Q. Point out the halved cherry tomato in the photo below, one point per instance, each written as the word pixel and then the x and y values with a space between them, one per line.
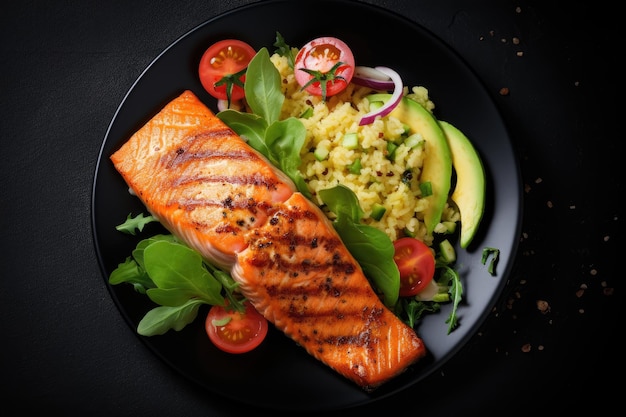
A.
pixel 222 67
pixel 416 264
pixel 322 55
pixel 235 332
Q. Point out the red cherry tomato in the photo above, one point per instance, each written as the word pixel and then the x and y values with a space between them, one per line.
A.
pixel 221 63
pixel 235 332
pixel 322 54
pixel 416 264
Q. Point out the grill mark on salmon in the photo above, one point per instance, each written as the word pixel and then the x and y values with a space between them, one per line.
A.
pixel 200 179
pixel 300 276
pixel 224 199
pixel 255 180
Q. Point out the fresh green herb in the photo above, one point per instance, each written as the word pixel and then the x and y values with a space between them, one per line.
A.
pixel 135 223
pixel 163 318
pixel 176 278
pixel 284 140
pixel 247 125
pixel 279 140
pixel 371 247
pixel 451 277
pixel 179 275
pixel 449 288
pixel 495 254
pixel 285 50
pixel 263 87
pixel 130 272
pixel 412 310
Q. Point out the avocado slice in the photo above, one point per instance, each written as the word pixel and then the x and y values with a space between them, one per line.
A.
pixel 469 191
pixel 437 167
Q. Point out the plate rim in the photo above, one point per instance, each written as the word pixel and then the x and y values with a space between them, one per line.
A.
pixel 473 327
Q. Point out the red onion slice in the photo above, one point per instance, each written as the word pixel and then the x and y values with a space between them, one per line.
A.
pixel 393 101
pixel 372 78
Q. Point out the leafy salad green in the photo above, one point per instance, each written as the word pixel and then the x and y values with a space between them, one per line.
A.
pixel 179 281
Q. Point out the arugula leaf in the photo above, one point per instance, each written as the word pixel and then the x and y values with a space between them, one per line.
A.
pixel 414 310
pixel 371 247
pixel 229 284
pixel 456 292
pixel 176 278
pixel 495 253
pixel 133 223
pixel 130 272
pixel 161 319
pixel 283 49
pixel 143 244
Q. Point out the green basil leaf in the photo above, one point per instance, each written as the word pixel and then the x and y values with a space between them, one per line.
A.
pixel 249 126
pixel 284 140
pixel 374 251
pixel 343 202
pixel 371 247
pixel 175 266
pixel 263 88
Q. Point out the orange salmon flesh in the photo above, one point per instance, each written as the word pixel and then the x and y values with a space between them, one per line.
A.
pixel 209 188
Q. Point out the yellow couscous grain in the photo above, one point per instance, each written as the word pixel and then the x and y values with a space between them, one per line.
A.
pixel 392 182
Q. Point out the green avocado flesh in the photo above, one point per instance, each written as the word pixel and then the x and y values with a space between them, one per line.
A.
pixel 469 191
pixel 437 169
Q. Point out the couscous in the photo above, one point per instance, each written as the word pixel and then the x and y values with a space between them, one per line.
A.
pixel 381 181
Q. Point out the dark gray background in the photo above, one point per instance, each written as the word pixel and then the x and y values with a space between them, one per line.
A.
pixel 66 350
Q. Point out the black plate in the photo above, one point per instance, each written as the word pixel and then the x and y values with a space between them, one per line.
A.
pixel 280 374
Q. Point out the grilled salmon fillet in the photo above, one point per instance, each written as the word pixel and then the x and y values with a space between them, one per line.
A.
pixel 200 179
pixel 225 200
pixel 298 273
